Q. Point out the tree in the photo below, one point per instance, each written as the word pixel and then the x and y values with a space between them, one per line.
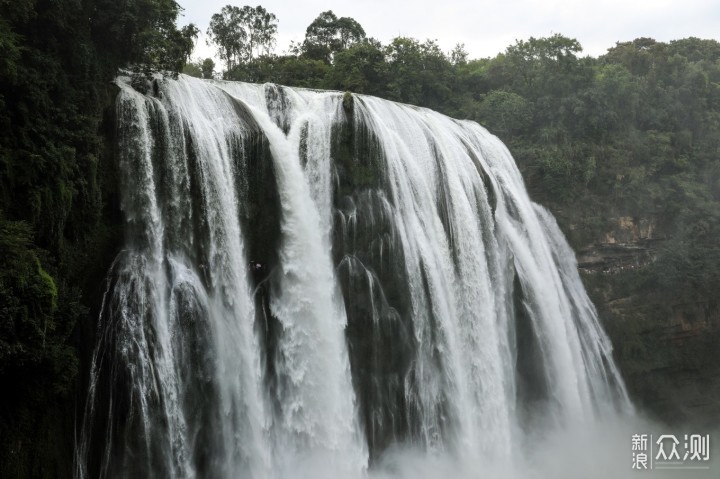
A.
pixel 419 73
pixel 192 69
pixel 167 49
pixel 241 34
pixel 200 68
pixel 58 200
pixel 285 70
pixel 141 34
pixel 349 32
pixel 530 58
pixel 263 31
pixel 360 68
pixel 505 112
pixel 638 56
pixel 328 35
pixel 208 68
pixel 227 33
pixel 458 55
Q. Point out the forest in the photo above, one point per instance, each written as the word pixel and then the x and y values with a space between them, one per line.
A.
pixel 633 133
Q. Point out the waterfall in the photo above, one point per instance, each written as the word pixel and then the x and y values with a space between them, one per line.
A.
pixel 311 280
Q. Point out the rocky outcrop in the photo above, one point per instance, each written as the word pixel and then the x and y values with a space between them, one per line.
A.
pixel 665 344
pixel 629 245
pixel 667 352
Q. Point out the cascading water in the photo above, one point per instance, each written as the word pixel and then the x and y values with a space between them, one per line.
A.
pixel 311 279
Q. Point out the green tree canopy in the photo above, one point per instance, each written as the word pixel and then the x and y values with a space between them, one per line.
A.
pixel 328 35
pixel 142 33
pixel 200 68
pixel 58 199
pixel 419 73
pixel 241 34
pixel 360 68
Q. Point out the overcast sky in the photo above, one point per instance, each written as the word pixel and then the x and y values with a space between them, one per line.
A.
pixel 486 27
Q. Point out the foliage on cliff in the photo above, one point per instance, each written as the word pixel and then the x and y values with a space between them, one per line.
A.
pixel 57 60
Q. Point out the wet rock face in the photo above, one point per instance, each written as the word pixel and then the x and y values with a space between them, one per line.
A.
pixel 631 230
pixel 665 344
pixel 629 245
pixel 668 355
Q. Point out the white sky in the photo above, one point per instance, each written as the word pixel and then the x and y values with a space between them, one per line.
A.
pixel 486 27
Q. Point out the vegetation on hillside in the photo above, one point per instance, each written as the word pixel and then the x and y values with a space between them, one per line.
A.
pixel 58 211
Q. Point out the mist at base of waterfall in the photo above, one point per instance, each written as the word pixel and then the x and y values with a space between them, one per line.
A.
pixel 594 450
